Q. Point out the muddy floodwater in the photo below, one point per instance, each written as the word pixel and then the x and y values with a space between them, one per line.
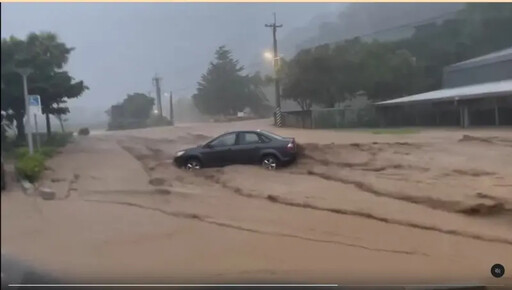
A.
pixel 427 207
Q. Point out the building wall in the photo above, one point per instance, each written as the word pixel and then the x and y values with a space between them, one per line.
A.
pixel 492 72
pixel 473 112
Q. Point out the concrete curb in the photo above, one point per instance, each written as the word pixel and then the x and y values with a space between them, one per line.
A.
pixel 30 189
pixel 27 187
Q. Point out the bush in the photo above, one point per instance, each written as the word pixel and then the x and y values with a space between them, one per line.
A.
pixel 20 153
pixel 48 152
pixel 83 131
pixel 30 167
pixel 59 139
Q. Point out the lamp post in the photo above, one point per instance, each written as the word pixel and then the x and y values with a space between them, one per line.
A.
pixel 24 72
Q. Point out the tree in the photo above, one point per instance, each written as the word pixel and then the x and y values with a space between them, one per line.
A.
pixel 46 56
pixel 224 90
pixel 138 106
pixel 12 87
pixel 134 112
pixel 328 74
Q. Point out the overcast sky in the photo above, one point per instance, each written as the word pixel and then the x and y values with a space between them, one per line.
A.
pixel 120 46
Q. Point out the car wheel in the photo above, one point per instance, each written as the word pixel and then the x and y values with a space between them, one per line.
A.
pixel 269 162
pixel 193 164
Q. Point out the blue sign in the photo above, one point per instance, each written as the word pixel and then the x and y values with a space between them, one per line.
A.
pixel 34 103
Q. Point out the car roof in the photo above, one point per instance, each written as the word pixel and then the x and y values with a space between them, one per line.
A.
pixel 243 131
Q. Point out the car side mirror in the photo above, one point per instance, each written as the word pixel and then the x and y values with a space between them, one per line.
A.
pixel 207 145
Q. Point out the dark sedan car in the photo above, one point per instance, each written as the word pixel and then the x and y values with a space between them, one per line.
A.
pixel 240 147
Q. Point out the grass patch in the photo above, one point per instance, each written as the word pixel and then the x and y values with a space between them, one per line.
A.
pixel 58 139
pixel 30 167
pixel 398 131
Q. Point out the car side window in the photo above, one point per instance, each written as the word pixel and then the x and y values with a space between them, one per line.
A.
pixel 226 140
pixel 264 138
pixel 249 138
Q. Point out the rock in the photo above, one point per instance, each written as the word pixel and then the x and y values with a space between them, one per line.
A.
pixel 57 179
pixel 27 187
pixel 47 194
pixel 163 191
pixel 157 181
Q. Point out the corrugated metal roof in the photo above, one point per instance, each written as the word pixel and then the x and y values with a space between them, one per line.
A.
pixel 502 55
pixel 459 93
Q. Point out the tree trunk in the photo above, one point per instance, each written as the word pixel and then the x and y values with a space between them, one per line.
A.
pixel 48 126
pixel 20 127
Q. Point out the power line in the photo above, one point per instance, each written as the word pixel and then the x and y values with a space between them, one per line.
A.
pixel 192 85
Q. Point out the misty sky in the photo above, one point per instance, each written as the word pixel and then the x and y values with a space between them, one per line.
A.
pixel 120 46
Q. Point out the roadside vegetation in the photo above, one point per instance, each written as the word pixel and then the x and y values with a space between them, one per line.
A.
pixel 135 112
pixel 45 57
pixel 30 167
pixel 329 74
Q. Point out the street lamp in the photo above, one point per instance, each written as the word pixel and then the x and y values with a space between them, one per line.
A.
pixel 24 72
pixel 277 63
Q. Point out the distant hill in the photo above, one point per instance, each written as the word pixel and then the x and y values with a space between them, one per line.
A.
pixel 384 21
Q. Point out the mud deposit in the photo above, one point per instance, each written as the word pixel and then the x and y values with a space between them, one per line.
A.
pixel 429 208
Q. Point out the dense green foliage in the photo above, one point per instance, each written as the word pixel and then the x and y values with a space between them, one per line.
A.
pixel 224 90
pixel 30 167
pixel 137 106
pixel 329 74
pixel 134 112
pixel 46 56
pixel 46 151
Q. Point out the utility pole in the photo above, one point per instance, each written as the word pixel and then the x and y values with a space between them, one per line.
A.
pixel 171 112
pixel 157 80
pixel 277 114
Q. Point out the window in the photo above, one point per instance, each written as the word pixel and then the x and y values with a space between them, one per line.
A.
pixel 249 138
pixel 265 139
pixel 226 140
pixel 272 135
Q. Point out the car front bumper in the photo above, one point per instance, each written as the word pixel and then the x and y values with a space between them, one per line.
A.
pixel 179 161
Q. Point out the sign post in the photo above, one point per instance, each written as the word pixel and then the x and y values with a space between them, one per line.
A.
pixel 34 103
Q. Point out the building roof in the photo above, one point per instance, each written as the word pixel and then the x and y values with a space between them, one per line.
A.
pixel 501 88
pixel 498 56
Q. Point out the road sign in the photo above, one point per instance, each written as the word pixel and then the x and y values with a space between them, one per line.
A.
pixel 34 102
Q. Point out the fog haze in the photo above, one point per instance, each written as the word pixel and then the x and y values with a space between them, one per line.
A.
pixel 120 47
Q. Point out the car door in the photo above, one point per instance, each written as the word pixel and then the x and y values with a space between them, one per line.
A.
pixel 217 152
pixel 247 147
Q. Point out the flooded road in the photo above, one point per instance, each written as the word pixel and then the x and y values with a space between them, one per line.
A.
pixel 431 207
